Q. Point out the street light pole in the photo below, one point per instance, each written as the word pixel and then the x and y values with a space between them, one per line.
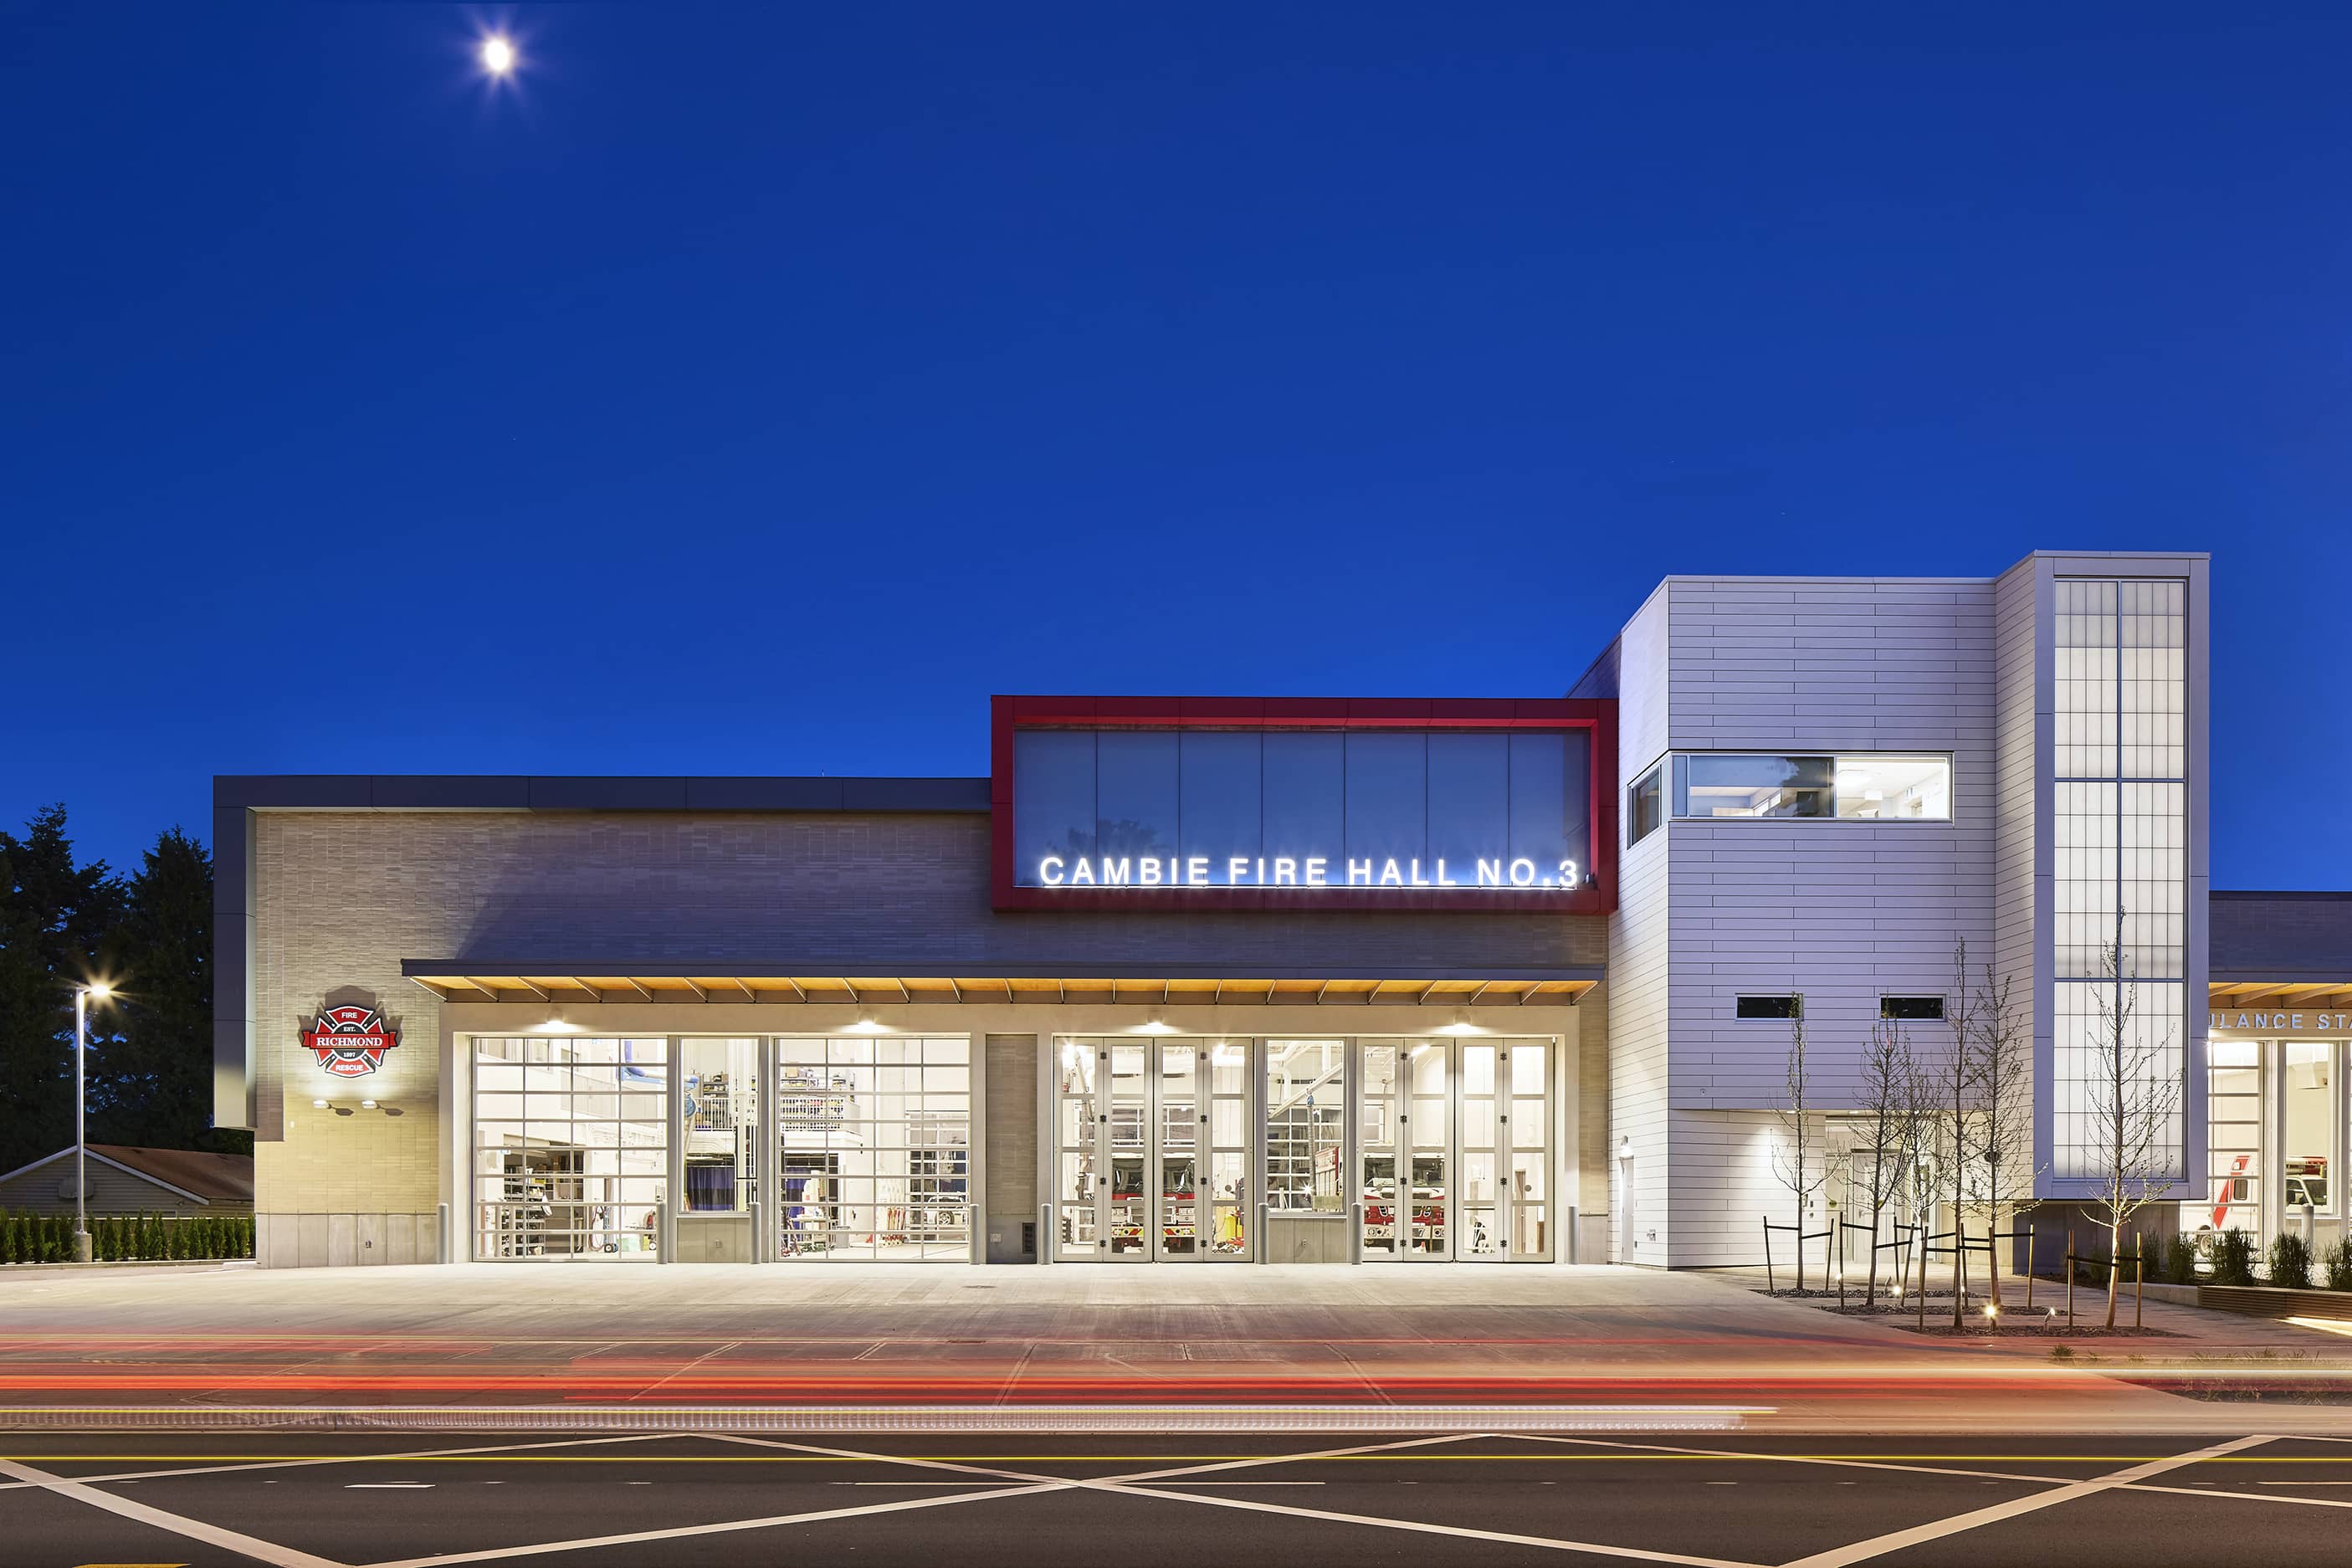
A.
pixel 82 994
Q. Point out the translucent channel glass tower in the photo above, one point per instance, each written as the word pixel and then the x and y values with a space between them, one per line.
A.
pixel 2120 876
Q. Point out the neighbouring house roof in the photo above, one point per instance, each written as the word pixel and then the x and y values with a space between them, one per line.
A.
pixel 192 1174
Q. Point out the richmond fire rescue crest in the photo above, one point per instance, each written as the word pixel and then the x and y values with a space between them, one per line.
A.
pixel 350 1042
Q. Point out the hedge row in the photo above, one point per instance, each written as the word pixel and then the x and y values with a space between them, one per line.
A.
pixel 116 1238
pixel 2230 1259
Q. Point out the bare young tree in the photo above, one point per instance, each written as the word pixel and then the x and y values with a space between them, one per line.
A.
pixel 2002 1173
pixel 1796 1158
pixel 1922 1174
pixel 2134 1099
pixel 1950 1087
pixel 1889 1128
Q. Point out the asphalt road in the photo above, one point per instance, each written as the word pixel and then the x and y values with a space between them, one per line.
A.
pixel 1022 1501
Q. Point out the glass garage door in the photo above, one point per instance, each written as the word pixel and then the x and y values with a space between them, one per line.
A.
pixel 874 1148
pixel 571 1147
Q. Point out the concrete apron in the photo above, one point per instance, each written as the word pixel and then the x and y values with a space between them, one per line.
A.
pixel 931 1347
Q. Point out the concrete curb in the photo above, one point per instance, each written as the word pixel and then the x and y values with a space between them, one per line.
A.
pixel 1122 1419
pixel 10 1271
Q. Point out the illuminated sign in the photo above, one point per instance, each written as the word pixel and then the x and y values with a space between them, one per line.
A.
pixel 2269 1022
pixel 1295 872
pixel 1238 804
pixel 350 1042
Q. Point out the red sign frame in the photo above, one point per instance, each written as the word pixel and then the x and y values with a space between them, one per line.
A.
pixel 1595 716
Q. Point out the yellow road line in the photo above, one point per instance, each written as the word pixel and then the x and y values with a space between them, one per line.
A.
pixel 1423 1458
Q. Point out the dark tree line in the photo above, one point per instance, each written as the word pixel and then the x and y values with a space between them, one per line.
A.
pixel 150 934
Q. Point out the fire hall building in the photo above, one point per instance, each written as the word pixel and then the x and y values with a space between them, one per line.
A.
pixel 1233 981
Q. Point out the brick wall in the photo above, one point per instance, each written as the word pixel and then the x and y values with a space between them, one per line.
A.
pixel 1011 1138
pixel 341 899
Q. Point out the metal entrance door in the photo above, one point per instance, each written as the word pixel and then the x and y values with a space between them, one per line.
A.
pixel 1505 1150
pixel 1151 1152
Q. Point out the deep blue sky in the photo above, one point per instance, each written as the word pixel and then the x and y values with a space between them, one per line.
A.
pixel 756 391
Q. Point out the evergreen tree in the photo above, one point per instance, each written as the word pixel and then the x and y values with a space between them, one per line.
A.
pixel 153 1086
pixel 55 919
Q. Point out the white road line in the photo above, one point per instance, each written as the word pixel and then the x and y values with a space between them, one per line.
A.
pixel 1255 1460
pixel 1639 1448
pixel 1042 1484
pixel 251 1546
pixel 1977 1519
pixel 354 1458
pixel 1420 1527
pixel 2210 1488
pixel 1246 1462
pixel 902 1483
pixel 1249 1483
pixel 685 1532
pixel 388 1485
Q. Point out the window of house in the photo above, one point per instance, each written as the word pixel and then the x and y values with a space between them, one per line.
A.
pixel 1781 1008
pixel 1859 786
pixel 2307 1124
pixel 1644 806
pixel 1912 1009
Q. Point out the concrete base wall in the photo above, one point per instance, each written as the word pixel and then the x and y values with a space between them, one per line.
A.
pixel 344 1240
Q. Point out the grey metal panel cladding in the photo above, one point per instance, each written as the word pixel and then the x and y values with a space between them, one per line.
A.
pixel 234 1066
pixel 1841 911
pixel 492 792
pixel 2281 936
pixel 765 795
pixel 915 795
pixel 608 795
pixel 326 792
pixel 427 792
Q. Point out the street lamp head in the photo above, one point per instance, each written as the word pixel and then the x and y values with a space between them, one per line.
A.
pixel 498 56
pixel 97 991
